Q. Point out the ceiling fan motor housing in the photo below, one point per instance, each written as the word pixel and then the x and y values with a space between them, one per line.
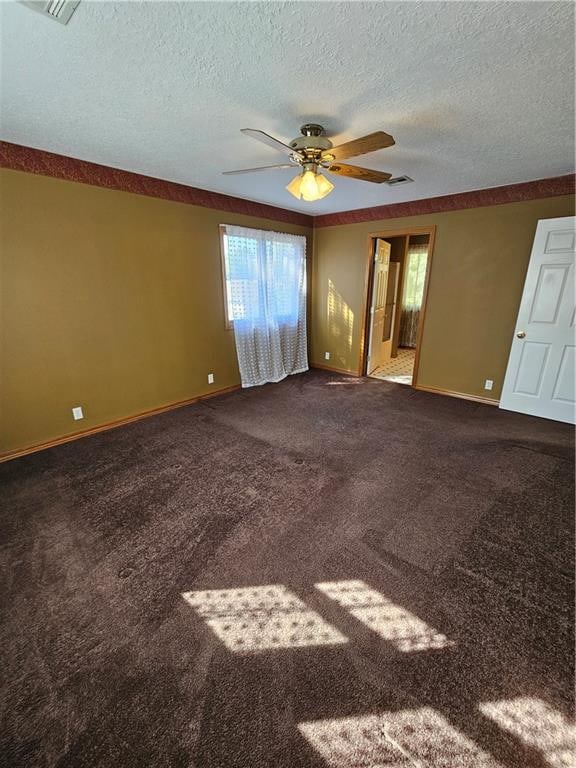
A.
pixel 312 139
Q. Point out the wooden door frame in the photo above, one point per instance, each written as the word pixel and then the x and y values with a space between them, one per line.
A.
pixel 369 270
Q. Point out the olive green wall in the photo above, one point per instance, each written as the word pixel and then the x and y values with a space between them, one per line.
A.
pixel 113 300
pixel 478 268
pixel 110 300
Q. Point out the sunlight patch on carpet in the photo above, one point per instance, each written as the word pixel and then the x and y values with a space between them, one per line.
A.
pixel 412 738
pixel 538 725
pixel 252 619
pixel 392 622
pixel 343 383
pixel 401 378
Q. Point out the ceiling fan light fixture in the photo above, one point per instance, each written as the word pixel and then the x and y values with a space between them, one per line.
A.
pixel 294 186
pixel 324 186
pixel 309 186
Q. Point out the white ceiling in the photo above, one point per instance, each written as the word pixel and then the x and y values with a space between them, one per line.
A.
pixel 476 94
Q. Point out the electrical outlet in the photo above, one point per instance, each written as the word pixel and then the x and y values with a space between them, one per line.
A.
pixel 77 413
pixel 326 355
pixel 210 378
pixel 488 384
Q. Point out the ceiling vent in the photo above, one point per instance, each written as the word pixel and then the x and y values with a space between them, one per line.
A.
pixel 397 180
pixel 59 10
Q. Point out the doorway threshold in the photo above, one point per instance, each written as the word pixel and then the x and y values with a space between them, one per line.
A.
pixel 397 370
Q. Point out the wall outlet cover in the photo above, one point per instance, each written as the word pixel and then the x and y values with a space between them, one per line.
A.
pixel 326 355
pixel 210 378
pixel 488 384
pixel 77 413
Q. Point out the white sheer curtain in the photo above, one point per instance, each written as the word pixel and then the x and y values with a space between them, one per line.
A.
pixel 413 294
pixel 266 295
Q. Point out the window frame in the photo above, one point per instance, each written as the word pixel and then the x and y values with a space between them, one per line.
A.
pixel 228 322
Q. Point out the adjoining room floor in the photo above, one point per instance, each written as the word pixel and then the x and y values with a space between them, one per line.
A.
pixel 328 572
pixel 398 369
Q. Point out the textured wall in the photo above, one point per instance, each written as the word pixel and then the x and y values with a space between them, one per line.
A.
pixel 478 268
pixel 111 300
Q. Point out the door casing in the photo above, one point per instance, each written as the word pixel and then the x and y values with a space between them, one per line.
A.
pixel 369 269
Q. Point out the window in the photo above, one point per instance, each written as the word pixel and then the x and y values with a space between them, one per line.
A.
pixel 264 275
pixel 415 277
pixel 265 302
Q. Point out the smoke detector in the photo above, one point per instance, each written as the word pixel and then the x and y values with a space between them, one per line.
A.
pixel 59 10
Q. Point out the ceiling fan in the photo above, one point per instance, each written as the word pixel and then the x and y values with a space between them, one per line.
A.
pixel 313 151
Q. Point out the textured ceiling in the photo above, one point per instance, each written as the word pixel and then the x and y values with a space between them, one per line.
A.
pixel 476 94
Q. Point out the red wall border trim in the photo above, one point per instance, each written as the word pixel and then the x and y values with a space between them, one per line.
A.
pixel 44 163
pixel 512 193
pixel 19 158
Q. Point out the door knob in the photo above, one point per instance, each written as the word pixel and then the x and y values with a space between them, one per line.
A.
pixel 521 334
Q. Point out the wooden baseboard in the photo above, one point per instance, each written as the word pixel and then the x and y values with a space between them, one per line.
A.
pixel 334 370
pixel 181 403
pixel 460 395
pixel 433 390
pixel 113 424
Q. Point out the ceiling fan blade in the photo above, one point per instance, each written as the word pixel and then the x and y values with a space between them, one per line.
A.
pixel 269 140
pixel 362 174
pixel 362 146
pixel 260 168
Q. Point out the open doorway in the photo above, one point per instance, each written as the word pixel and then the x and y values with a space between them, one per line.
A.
pixel 395 303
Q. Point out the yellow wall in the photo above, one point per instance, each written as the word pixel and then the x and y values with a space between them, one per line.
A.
pixel 110 300
pixel 478 269
pixel 113 300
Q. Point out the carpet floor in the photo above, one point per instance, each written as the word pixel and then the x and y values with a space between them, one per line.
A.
pixel 328 572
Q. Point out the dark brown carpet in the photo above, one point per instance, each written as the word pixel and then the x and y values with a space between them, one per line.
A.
pixel 326 572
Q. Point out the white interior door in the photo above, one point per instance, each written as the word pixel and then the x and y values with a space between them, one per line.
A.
pixel 378 304
pixel 540 375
